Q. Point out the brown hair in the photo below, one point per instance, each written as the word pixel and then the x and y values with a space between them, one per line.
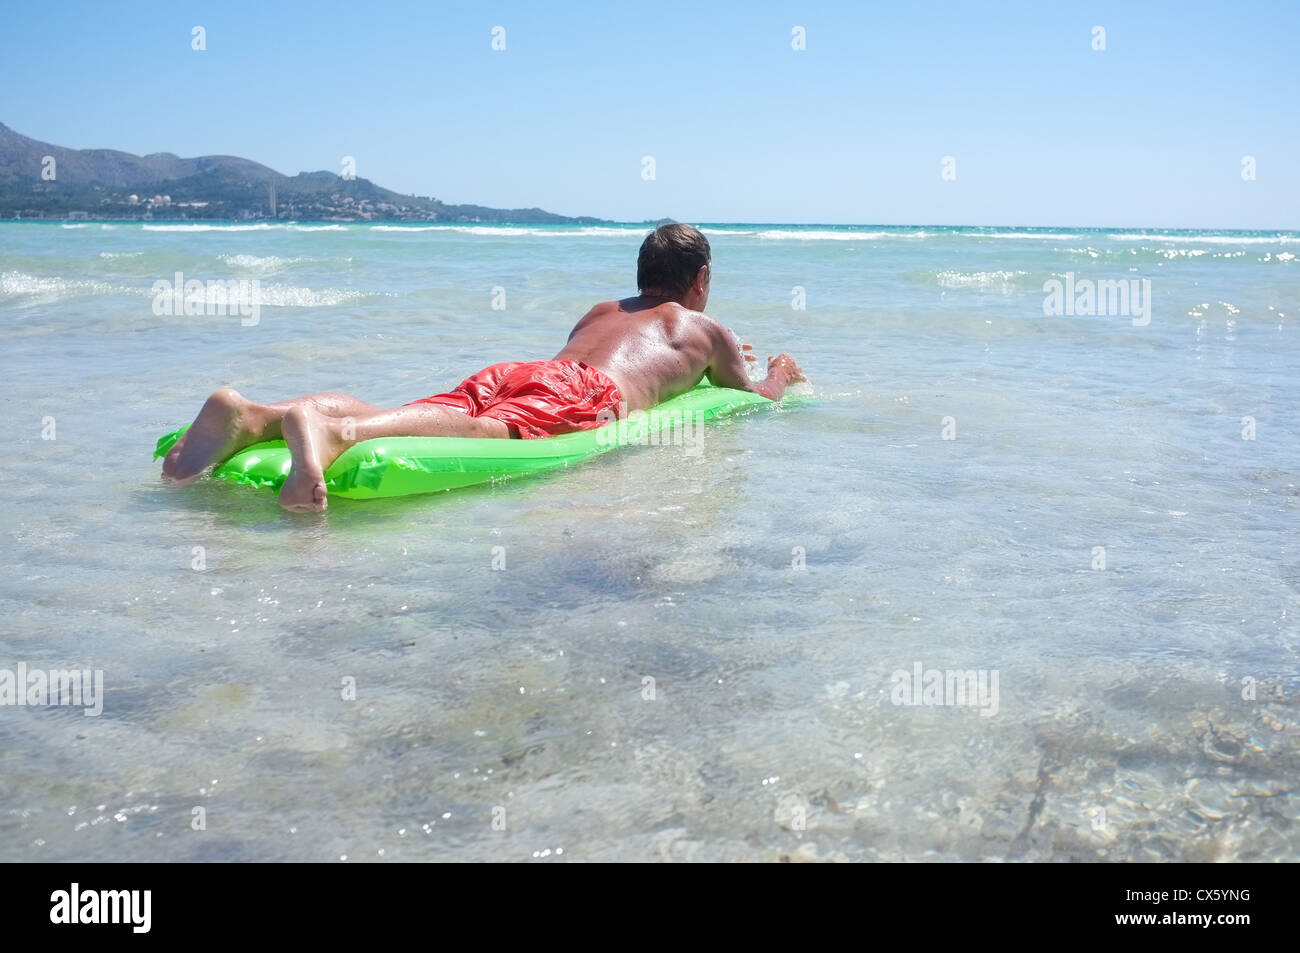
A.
pixel 670 257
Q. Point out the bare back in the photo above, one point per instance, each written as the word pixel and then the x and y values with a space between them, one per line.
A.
pixel 652 349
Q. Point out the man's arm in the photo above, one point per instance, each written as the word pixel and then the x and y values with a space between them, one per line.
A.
pixel 727 367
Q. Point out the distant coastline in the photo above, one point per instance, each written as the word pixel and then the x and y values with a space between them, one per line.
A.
pixel 39 180
pixel 860 230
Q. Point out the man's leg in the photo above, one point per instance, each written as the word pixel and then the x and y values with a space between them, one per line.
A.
pixel 316 440
pixel 230 422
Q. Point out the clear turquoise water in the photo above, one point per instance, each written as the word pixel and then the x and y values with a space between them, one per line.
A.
pixel 1121 731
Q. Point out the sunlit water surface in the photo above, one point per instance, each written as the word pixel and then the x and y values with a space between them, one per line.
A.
pixel 684 656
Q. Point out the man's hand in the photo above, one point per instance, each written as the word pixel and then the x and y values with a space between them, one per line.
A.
pixel 786 366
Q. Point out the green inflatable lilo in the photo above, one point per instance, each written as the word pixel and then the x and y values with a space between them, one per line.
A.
pixel 402 466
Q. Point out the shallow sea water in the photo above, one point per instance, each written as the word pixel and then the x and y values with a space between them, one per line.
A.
pixel 769 586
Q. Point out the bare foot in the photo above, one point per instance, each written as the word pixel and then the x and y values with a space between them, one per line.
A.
pixel 227 424
pixel 314 443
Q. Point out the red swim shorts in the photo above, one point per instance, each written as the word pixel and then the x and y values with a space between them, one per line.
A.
pixel 536 398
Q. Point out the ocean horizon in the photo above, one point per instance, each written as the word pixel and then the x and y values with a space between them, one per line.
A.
pixel 646 225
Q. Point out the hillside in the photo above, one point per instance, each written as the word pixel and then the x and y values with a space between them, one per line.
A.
pixel 107 184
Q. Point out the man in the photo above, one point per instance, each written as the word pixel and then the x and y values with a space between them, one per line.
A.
pixel 622 356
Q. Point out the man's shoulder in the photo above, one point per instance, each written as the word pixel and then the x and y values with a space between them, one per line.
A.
pixel 671 314
pixel 697 320
pixel 671 310
pixel 605 307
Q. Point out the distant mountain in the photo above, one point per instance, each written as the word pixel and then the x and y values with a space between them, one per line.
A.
pixel 105 183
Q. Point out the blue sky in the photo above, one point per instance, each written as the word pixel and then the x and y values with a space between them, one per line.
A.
pixel 1044 130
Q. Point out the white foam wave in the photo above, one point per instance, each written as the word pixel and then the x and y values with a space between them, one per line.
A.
pixel 818 235
pixel 1207 239
pixel 266 265
pixel 409 228
pixel 244 227
pixel 1004 281
pixel 465 229
pixel 288 296
pixel 512 231
pixel 607 230
pixel 500 230
pixel 276 295
pixel 17 284
pixel 120 254
pixel 251 227
pixel 1045 236
pixel 24 288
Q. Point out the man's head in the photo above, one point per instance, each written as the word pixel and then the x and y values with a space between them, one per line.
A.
pixel 675 263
